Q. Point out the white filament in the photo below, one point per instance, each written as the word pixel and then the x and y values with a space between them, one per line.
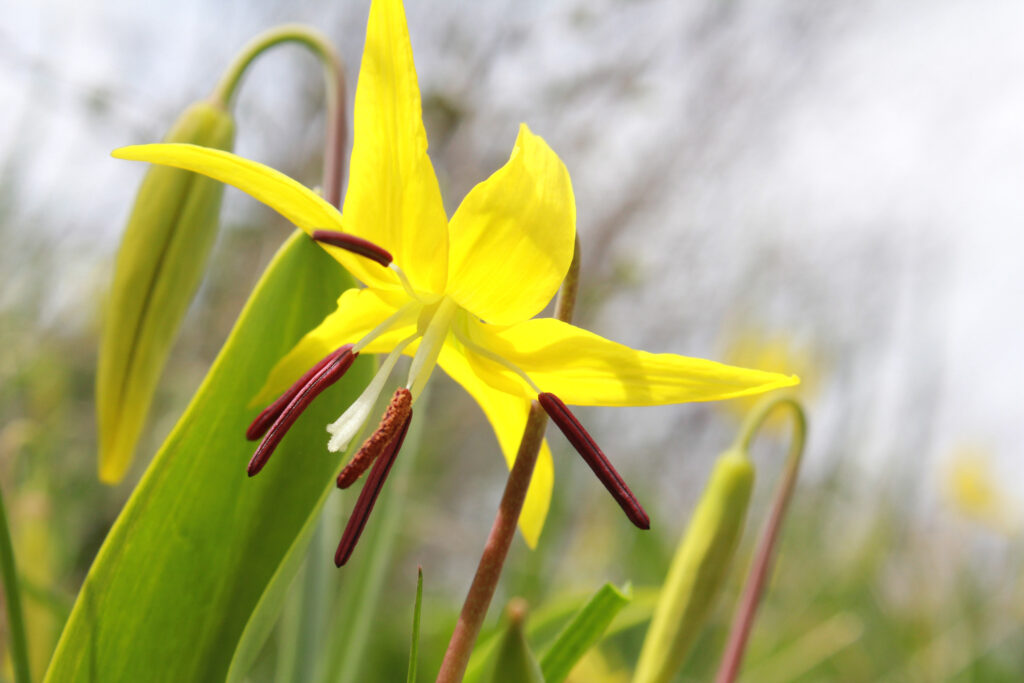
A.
pixel 352 420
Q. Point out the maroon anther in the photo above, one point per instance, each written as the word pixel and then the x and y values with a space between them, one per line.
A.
pixel 593 456
pixel 269 414
pixel 368 496
pixel 330 373
pixel 394 418
pixel 357 245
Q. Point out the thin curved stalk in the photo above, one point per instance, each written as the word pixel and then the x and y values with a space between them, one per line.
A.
pixel 754 587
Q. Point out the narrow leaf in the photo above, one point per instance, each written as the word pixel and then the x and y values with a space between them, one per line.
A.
pixel 12 597
pixel 414 650
pixel 171 590
pixel 583 632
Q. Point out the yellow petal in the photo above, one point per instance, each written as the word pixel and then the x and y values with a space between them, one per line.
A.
pixel 293 200
pixel 359 311
pixel 393 198
pixel 583 368
pixel 507 415
pixel 512 238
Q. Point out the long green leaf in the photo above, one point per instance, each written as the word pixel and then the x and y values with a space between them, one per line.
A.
pixel 415 647
pixel 582 633
pixel 173 586
pixel 12 596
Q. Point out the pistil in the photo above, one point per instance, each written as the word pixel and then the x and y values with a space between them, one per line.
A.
pixel 594 457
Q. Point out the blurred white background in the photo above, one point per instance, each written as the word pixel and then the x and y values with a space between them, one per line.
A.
pixel 844 179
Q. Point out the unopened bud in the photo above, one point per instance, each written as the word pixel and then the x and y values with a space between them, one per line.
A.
pixel 699 568
pixel 159 266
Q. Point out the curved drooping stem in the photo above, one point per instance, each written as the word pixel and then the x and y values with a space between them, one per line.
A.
pixel 754 587
pixel 488 572
pixel 334 77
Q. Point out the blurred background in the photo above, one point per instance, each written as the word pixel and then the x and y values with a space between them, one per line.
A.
pixel 830 189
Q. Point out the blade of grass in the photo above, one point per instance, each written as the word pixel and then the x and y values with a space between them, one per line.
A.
pixel 583 632
pixel 12 591
pixel 414 649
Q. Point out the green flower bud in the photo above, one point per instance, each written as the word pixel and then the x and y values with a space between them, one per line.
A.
pixel 515 662
pixel 699 568
pixel 159 266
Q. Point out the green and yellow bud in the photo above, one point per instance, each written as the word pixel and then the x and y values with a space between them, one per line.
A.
pixel 515 662
pixel 159 266
pixel 699 568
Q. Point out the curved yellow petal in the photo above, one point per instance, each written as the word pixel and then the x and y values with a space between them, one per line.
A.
pixel 507 415
pixel 393 198
pixel 512 238
pixel 359 311
pixel 293 200
pixel 583 368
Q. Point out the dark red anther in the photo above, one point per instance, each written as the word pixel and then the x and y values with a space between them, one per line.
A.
pixel 357 245
pixel 593 456
pixel 368 496
pixel 394 417
pixel 330 373
pixel 270 414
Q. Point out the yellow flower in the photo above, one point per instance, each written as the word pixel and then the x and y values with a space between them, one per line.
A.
pixel 460 293
pixel 972 488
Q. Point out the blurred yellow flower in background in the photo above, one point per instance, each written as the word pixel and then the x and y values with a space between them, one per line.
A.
pixel 971 488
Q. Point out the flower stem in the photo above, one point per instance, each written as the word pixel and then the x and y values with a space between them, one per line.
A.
pixel 12 591
pixel 754 587
pixel 474 609
pixel 334 74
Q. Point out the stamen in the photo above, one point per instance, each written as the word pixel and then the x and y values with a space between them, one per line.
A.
pixel 593 456
pixel 357 245
pixel 331 372
pixel 404 279
pixel 368 496
pixel 351 421
pixel 394 417
pixel 269 414
pixel 386 325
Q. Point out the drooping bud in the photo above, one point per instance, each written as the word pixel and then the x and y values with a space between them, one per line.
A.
pixel 333 370
pixel 594 457
pixel 698 570
pixel 159 266
pixel 368 496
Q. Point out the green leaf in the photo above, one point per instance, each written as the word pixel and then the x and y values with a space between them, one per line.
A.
pixel 583 632
pixel 548 617
pixel 12 597
pixel 191 555
pixel 414 650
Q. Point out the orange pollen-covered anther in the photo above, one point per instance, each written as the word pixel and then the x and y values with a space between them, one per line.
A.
pixel 396 415
pixel 371 489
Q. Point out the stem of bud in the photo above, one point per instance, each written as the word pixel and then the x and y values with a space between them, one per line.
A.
pixel 334 74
